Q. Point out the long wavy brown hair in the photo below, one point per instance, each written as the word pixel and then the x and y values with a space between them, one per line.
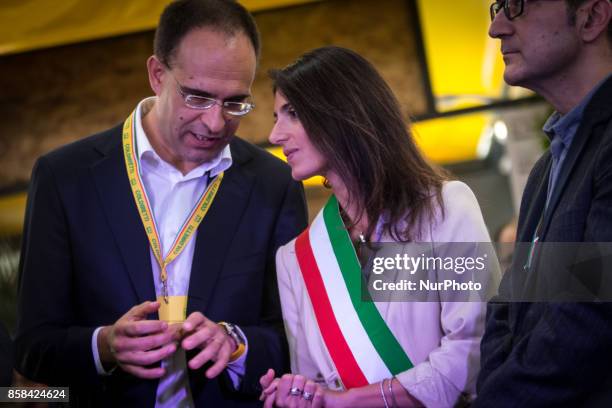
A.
pixel 352 117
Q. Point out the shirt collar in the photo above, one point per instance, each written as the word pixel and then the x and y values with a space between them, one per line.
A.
pixel 145 151
pixel 566 126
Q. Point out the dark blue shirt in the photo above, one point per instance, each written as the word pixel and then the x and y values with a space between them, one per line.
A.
pixel 561 130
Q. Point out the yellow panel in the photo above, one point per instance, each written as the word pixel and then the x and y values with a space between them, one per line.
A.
pixel 12 209
pixel 465 65
pixel 33 24
pixel 451 140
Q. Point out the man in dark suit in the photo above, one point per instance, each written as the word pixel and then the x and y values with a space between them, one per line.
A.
pixel 118 299
pixel 544 348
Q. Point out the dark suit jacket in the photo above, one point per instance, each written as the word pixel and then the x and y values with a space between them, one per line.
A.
pixel 85 262
pixel 6 357
pixel 548 354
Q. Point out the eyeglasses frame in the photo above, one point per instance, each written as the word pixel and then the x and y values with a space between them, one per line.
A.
pixel 223 104
pixel 496 7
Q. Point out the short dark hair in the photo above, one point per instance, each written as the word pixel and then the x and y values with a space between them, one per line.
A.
pixel 572 8
pixel 353 119
pixel 182 16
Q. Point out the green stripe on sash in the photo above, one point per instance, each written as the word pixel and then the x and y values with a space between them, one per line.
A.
pixel 380 335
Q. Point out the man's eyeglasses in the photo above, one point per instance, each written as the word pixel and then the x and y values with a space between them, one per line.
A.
pixel 512 8
pixel 232 108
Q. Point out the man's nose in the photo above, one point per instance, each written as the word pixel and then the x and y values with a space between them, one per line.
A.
pixel 214 118
pixel 500 26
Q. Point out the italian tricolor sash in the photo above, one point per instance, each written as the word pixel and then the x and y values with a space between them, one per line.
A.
pixel 361 345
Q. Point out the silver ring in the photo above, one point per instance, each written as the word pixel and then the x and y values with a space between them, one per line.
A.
pixel 295 391
pixel 308 396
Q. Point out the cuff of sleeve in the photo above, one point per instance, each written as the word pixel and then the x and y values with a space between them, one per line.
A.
pixel 428 386
pixel 237 368
pixel 96 355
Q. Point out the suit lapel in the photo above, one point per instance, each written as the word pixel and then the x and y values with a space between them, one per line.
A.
pixel 536 194
pixel 597 111
pixel 216 232
pixel 111 181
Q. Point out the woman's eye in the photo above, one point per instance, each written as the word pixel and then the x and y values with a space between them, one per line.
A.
pixel 292 113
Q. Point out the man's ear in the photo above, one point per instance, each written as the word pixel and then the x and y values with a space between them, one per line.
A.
pixel 156 70
pixel 593 19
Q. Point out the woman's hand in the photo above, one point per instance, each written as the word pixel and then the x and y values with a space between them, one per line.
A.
pixel 268 386
pixel 295 391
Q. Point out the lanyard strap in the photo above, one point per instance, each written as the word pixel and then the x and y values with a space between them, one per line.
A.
pixel 191 223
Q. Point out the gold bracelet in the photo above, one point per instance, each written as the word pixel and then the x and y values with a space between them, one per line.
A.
pixel 237 353
pixel 230 330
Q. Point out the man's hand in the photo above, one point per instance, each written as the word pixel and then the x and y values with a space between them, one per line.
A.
pixel 133 343
pixel 216 344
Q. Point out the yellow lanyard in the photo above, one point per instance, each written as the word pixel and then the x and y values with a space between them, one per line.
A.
pixel 146 215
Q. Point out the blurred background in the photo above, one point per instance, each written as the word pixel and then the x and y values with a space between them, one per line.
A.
pixel 72 68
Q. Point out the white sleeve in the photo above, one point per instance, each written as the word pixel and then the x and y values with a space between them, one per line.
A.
pixel 290 288
pixel 451 369
pixel 96 355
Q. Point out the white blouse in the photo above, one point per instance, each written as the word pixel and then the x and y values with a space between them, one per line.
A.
pixel 442 339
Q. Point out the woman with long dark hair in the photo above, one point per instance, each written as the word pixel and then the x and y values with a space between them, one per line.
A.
pixel 336 117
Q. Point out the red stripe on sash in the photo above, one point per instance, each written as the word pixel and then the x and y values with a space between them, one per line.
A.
pixel 350 373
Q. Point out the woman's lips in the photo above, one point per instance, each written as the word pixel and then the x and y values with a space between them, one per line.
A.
pixel 289 153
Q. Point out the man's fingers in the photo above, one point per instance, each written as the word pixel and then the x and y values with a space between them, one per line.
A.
pixel 221 360
pixel 145 373
pixel 193 321
pixel 202 336
pixel 176 331
pixel 208 353
pixel 134 342
pixel 123 343
pixel 145 358
pixel 142 327
pixel 140 312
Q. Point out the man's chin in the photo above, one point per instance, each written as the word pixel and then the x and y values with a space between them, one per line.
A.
pixel 512 77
